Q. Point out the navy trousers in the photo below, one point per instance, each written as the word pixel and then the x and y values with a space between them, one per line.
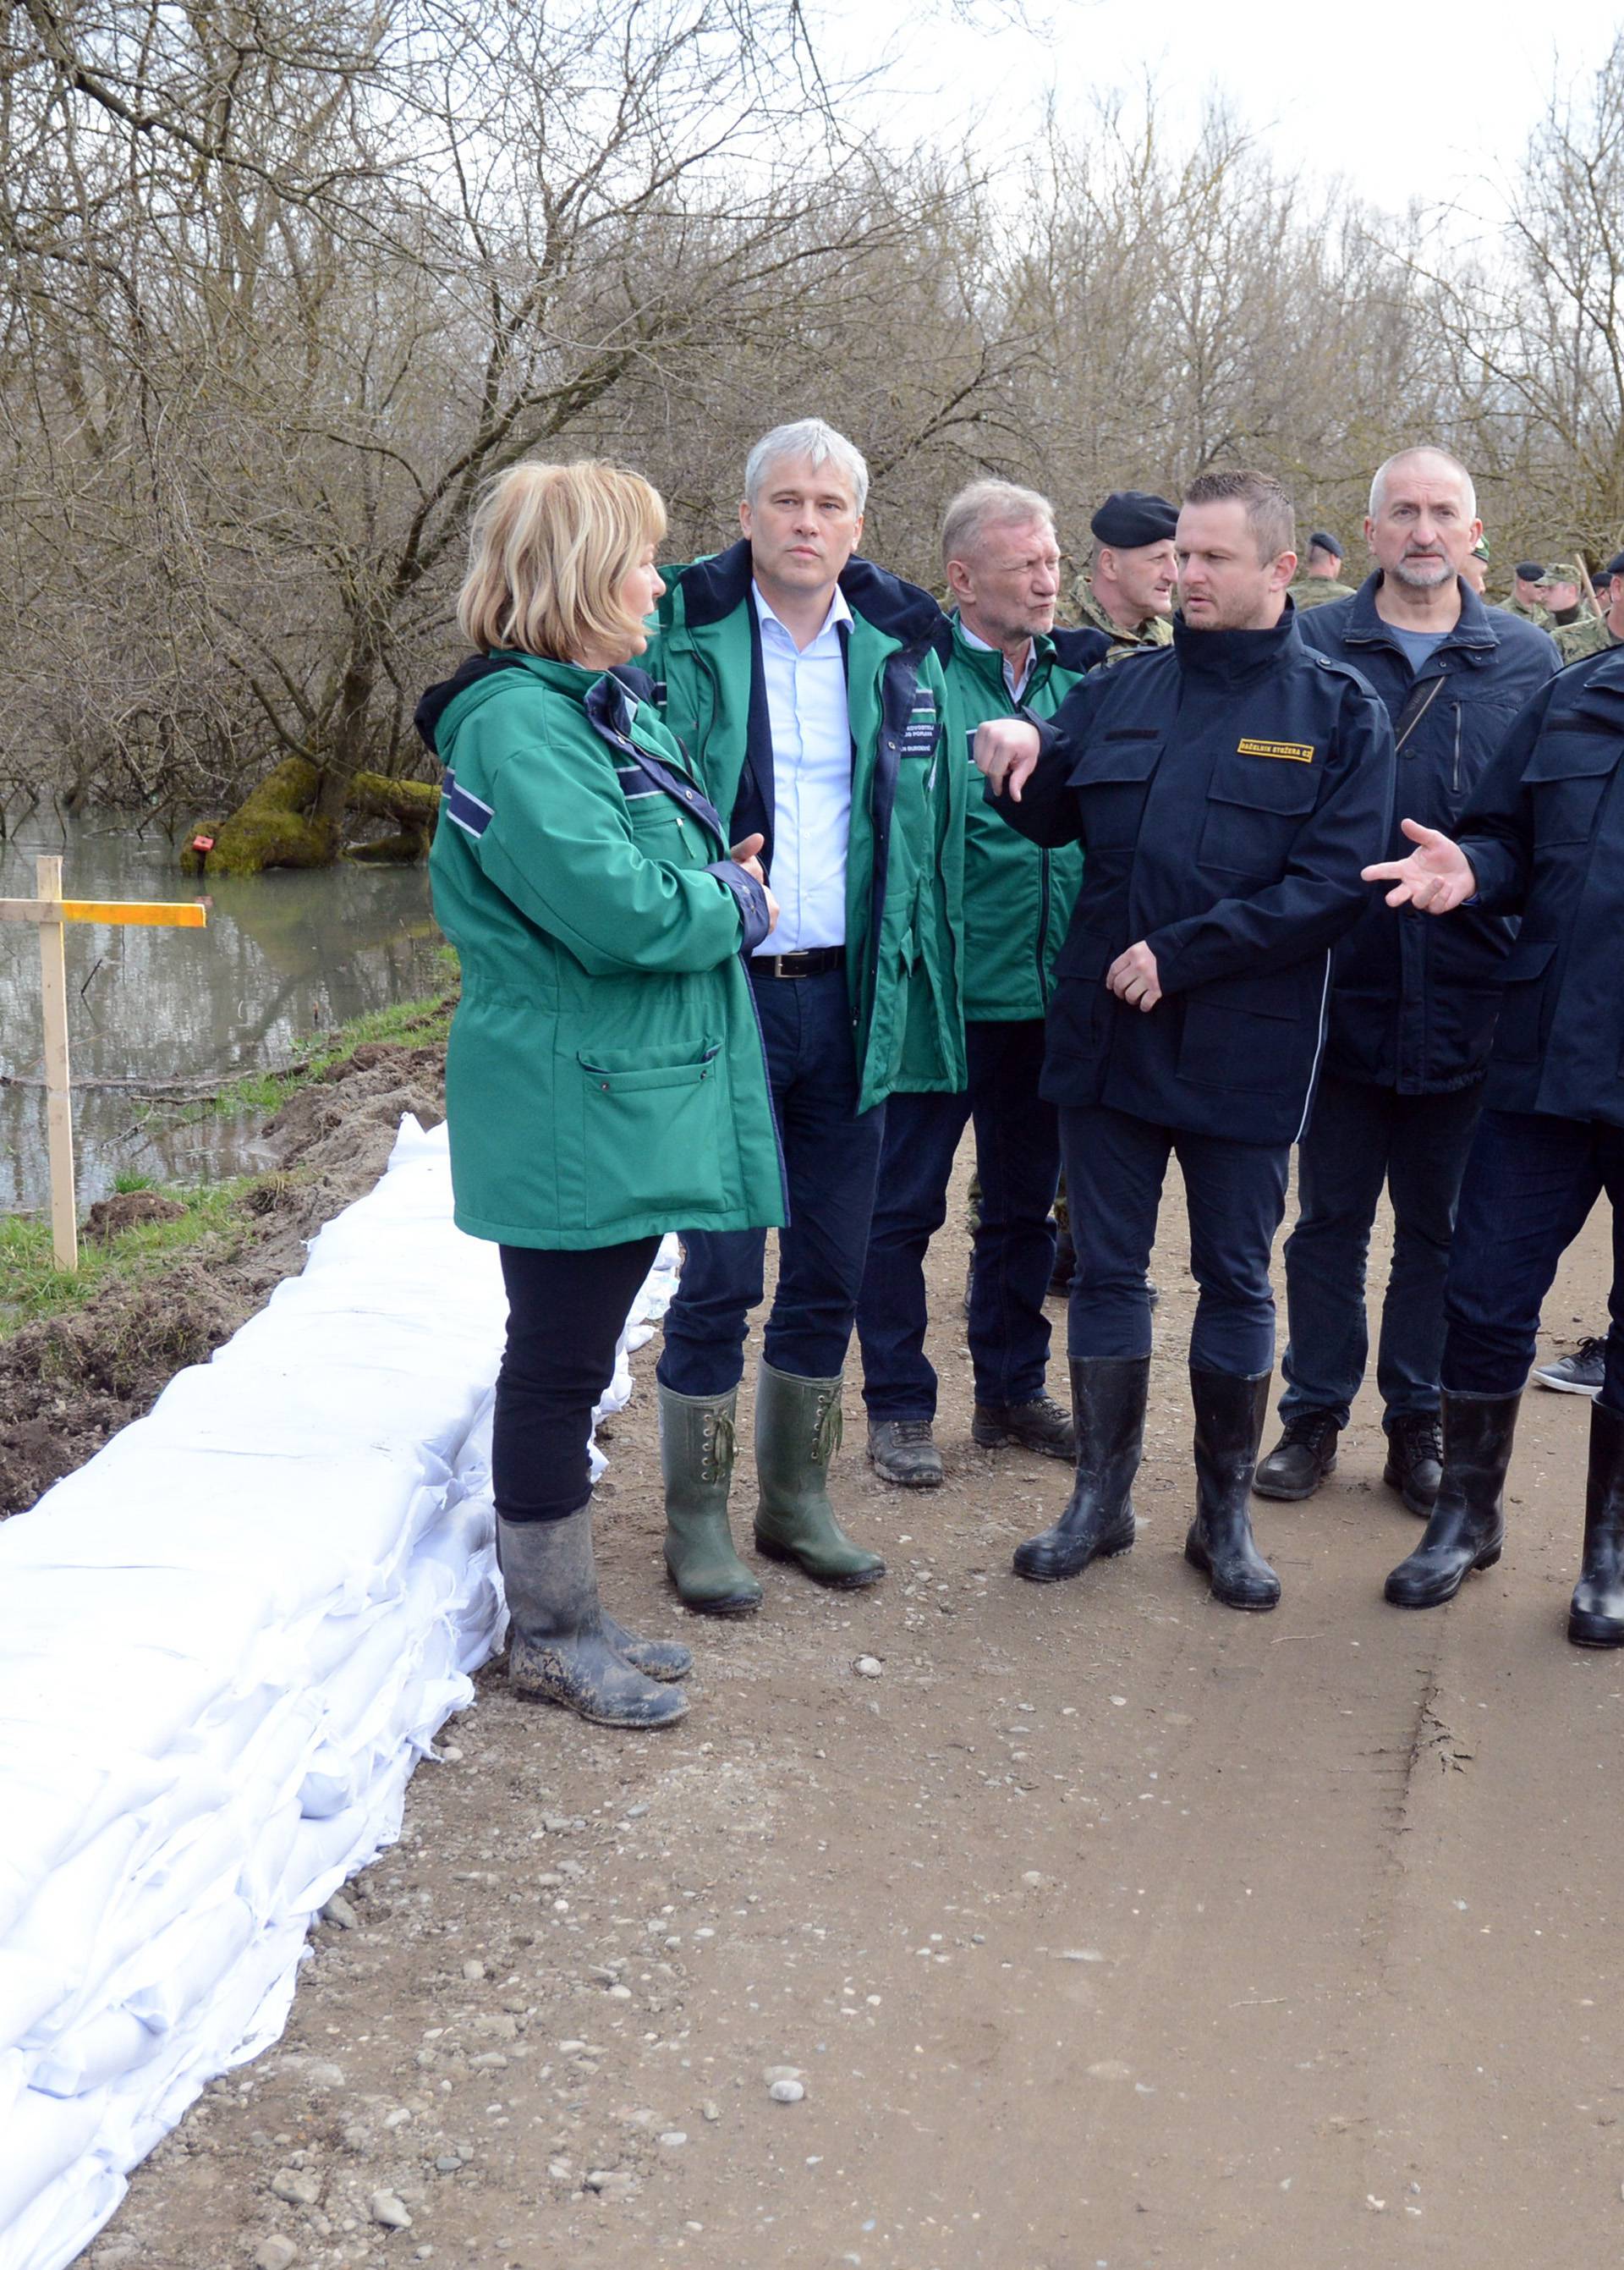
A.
pixel 1018 1159
pixel 831 1157
pixel 1115 1166
pixel 1530 1183
pixel 1359 1138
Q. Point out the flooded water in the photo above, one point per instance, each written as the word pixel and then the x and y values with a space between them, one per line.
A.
pixel 283 955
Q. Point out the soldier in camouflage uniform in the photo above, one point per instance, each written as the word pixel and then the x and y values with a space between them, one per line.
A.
pixel 1525 600
pixel 1321 580
pixel 1577 634
pixel 1128 590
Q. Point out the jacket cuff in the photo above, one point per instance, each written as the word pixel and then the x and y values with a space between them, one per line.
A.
pixel 751 898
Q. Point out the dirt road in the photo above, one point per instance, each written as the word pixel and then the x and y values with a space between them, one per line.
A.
pixel 1103 1928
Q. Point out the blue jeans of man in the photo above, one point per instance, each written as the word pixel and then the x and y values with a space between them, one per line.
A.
pixel 831 1157
pixel 1530 1183
pixel 1115 1166
pixel 1359 1138
pixel 1018 1159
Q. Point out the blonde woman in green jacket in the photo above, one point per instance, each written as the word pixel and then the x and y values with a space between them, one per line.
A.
pixel 605 1080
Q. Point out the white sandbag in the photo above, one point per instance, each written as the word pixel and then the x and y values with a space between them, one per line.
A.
pixel 224 1645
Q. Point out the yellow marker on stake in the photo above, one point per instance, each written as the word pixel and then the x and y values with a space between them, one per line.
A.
pixel 49 910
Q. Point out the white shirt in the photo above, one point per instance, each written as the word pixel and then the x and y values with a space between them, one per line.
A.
pixel 807 711
pixel 1014 683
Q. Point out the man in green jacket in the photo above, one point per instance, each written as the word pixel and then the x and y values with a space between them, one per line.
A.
pixel 1000 656
pixel 806 685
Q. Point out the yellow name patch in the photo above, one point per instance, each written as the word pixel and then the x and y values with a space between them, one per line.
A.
pixel 1297 752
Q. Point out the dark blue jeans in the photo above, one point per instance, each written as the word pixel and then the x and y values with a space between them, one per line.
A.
pixel 1018 1158
pixel 1359 1138
pixel 1114 1165
pixel 831 1157
pixel 1530 1183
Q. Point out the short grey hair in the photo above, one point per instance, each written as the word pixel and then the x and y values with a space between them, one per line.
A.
pixel 1422 450
pixel 820 444
pixel 986 505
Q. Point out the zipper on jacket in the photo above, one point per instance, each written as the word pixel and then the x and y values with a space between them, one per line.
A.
pixel 1044 858
pixel 1455 780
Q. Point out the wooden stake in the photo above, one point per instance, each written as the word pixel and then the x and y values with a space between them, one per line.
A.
pixel 49 910
pixel 58 1087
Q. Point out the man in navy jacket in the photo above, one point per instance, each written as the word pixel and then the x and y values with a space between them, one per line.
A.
pixel 1412 1006
pixel 1543 838
pixel 1225 791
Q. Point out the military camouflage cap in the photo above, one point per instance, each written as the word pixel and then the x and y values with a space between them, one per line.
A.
pixel 1560 571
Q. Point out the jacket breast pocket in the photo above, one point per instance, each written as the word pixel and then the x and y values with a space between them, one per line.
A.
pixel 1111 780
pixel 1255 807
pixel 1516 1035
pixel 655 1131
pixel 1247 1033
pixel 1566 777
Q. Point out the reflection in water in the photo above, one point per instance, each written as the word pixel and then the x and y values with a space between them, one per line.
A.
pixel 283 955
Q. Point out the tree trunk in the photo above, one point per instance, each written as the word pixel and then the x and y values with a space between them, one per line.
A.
pixel 279 823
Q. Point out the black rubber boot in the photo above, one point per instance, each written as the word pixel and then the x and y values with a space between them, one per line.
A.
pixel 1230 1412
pixel 1108 1411
pixel 1468 1522
pixel 560 1648
pixel 1596 1616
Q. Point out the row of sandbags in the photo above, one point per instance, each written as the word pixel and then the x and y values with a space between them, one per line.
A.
pixel 224 1645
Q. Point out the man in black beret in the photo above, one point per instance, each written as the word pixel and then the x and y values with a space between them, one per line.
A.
pixel 1128 590
pixel 1525 599
pixel 1322 578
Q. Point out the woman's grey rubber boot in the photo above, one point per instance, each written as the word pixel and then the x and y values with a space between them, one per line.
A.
pixel 1467 1526
pixel 1596 1616
pixel 561 1649
pixel 797 1433
pixel 1108 1411
pixel 1230 1411
pixel 696 1456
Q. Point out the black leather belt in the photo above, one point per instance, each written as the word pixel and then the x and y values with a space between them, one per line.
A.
pixel 813 961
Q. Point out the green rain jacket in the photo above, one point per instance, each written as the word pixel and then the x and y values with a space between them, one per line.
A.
pixel 905 860
pixel 604 1078
pixel 1018 897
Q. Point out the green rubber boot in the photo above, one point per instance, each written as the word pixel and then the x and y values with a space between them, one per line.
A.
pixel 797 1433
pixel 696 1454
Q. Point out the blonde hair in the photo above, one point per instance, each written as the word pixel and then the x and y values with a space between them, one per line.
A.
pixel 550 547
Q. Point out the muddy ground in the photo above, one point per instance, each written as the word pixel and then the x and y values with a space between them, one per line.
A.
pixel 1103 1928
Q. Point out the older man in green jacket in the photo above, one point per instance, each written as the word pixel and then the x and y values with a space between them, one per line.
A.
pixel 1000 655
pixel 805 684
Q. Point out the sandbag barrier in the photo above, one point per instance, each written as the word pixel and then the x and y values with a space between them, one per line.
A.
pixel 225 1643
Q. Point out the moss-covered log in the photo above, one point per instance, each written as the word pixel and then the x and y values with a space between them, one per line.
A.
pixel 276 825
pixel 271 827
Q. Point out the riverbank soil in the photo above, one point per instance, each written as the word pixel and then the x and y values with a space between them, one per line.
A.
pixel 69 1381
pixel 1100 1926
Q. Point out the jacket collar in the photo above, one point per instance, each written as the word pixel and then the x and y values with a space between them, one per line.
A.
pixel 1366 627
pixel 988 661
pixel 1230 657
pixel 713 588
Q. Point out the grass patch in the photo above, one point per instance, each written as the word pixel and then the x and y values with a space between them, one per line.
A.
pixel 408 1024
pixel 33 1287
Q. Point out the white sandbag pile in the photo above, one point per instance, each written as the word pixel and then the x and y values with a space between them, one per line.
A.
pixel 224 1645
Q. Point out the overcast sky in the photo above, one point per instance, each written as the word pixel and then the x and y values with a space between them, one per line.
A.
pixel 1404 98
